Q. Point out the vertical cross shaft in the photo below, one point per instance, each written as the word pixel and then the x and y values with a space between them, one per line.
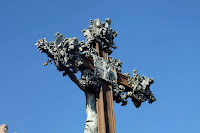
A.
pixel 104 103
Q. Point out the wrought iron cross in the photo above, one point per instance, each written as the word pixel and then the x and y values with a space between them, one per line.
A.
pixel 101 77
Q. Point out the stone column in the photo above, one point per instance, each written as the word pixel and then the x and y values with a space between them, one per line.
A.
pixel 91 122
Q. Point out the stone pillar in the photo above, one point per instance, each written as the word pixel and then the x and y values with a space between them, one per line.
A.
pixel 91 122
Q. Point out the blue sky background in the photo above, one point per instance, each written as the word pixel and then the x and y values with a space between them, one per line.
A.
pixel 158 37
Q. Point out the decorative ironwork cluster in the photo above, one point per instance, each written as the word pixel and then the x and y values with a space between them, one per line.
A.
pixel 119 94
pixel 140 92
pixel 102 33
pixel 141 88
pixel 116 63
pixel 88 51
pixel 89 80
pixel 66 54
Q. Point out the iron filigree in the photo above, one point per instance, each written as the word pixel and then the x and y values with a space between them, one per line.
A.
pixel 63 51
pixel 102 33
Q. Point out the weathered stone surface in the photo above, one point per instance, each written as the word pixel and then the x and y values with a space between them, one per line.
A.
pixel 3 128
pixel 91 125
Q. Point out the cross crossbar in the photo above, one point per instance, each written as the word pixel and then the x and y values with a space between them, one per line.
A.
pixel 88 63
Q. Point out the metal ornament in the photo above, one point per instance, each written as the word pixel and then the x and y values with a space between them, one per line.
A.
pixel 116 63
pixel 63 51
pixel 141 88
pixel 104 70
pixel 89 81
pixel 102 33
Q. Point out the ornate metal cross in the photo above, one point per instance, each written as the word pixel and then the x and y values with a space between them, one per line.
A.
pixel 101 77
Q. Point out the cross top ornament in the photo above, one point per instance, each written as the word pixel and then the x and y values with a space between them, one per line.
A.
pixel 101 77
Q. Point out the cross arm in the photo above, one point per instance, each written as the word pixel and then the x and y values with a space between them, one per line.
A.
pixel 121 79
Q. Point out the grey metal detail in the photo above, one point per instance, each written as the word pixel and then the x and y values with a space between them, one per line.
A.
pixel 116 63
pixel 89 81
pixel 102 33
pixel 141 89
pixel 119 94
pixel 87 50
pixel 105 70
pixel 64 52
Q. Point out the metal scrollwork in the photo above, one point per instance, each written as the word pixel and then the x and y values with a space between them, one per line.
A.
pixel 116 63
pixel 88 51
pixel 102 33
pixel 141 89
pixel 63 51
pixel 119 95
pixel 89 80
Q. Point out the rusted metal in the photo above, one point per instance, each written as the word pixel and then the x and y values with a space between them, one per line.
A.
pixel 109 102
pixel 104 103
pixel 99 103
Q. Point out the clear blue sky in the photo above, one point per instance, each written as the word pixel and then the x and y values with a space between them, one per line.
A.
pixel 161 38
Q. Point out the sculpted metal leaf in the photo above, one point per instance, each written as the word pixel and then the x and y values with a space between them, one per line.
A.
pixel 64 52
pixel 102 33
